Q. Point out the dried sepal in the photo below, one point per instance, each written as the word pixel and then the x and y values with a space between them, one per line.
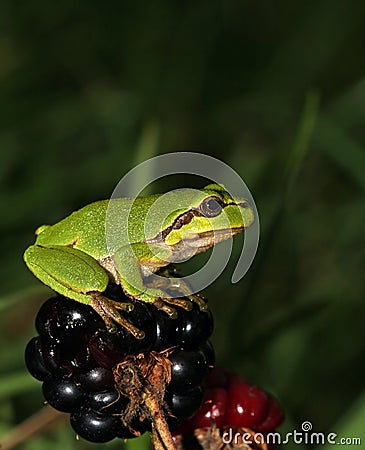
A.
pixel 143 379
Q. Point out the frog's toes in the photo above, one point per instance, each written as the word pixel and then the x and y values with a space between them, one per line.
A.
pixel 203 305
pixel 182 302
pixel 171 312
pixel 108 310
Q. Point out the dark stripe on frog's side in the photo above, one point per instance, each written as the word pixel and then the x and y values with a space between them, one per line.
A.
pixel 184 219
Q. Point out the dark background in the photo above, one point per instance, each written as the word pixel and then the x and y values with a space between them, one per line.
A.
pixel 277 91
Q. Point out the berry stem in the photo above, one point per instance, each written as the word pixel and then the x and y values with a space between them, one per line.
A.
pixel 161 436
pixel 157 444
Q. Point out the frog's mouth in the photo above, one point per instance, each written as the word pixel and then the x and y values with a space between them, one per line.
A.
pixel 207 239
pixel 186 248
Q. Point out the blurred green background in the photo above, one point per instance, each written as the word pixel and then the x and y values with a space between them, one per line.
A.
pixel 277 91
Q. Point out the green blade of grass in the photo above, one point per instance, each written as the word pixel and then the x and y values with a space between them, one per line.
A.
pixel 11 300
pixel 351 426
pixel 333 140
pixel 303 138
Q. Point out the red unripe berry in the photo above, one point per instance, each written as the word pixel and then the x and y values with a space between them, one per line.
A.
pixel 231 402
pixel 248 405
pixel 213 408
pixel 273 419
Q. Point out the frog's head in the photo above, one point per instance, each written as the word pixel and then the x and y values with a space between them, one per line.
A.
pixel 212 216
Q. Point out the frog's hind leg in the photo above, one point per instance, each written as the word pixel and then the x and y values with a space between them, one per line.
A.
pixel 78 276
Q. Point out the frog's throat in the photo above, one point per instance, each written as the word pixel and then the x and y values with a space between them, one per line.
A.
pixel 205 240
pixel 181 251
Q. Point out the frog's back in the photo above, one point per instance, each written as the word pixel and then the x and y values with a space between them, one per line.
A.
pixel 81 229
pixel 86 228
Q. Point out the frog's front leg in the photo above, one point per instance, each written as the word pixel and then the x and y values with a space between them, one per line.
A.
pixel 78 276
pixel 131 259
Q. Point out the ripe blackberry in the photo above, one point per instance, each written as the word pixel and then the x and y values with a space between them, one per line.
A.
pixel 188 369
pixel 112 383
pixel 185 405
pixel 34 360
pixel 166 330
pixel 195 327
pixel 59 317
pixel 97 379
pixel 95 426
pixel 106 348
pixel 208 351
pixel 107 401
pixel 71 355
pixel 63 394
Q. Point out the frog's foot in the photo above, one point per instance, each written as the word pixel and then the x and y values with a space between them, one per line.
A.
pixel 199 300
pixel 160 304
pixel 164 304
pixel 108 310
pixel 182 302
pixel 172 286
pixel 188 302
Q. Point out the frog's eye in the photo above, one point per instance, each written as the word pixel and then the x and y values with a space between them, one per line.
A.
pixel 210 207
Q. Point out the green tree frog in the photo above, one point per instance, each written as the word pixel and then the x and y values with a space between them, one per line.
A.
pixel 73 256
